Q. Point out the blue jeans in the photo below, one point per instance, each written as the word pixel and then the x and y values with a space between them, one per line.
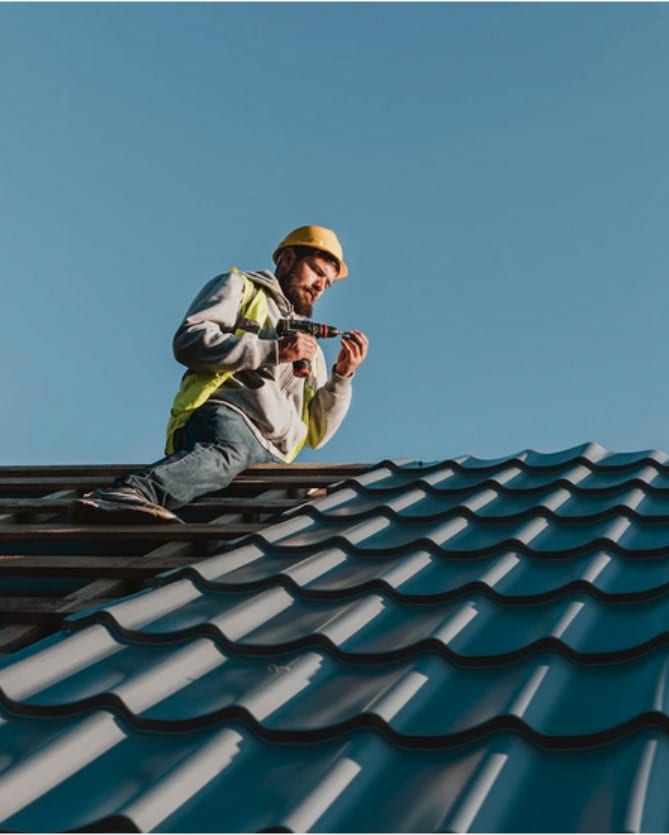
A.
pixel 215 445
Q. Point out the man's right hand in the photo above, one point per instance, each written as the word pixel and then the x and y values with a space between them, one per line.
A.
pixel 297 346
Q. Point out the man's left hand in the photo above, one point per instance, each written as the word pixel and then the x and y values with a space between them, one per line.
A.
pixel 353 352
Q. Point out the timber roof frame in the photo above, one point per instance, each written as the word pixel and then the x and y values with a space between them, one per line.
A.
pixel 34 523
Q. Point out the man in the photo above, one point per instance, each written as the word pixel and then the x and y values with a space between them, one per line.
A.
pixel 241 401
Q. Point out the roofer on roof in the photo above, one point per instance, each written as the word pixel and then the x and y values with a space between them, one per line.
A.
pixel 240 401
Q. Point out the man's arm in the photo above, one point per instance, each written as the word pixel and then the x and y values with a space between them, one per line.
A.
pixel 206 339
pixel 331 402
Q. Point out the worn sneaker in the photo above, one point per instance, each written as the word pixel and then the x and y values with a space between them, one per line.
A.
pixel 119 504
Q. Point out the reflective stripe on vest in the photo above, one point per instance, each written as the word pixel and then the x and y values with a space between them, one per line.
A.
pixel 197 387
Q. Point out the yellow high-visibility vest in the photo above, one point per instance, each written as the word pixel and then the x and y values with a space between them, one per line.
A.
pixel 197 386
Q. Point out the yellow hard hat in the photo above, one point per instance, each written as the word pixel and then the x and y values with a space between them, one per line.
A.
pixel 318 237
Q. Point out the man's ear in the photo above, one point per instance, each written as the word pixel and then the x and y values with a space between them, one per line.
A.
pixel 286 261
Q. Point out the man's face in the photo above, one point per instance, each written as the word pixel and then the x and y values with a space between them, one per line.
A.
pixel 304 281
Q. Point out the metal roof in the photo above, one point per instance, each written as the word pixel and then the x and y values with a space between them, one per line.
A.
pixel 465 645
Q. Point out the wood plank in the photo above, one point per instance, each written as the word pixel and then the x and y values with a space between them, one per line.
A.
pixel 114 470
pixel 19 565
pixel 16 636
pixel 67 482
pixel 43 610
pixel 167 531
pixel 93 594
pixel 46 506
pixel 234 504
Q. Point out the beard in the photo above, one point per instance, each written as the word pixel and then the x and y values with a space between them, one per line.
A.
pixel 297 295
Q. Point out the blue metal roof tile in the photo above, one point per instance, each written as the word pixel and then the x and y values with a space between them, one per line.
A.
pixel 376 625
pixel 421 574
pixel 464 534
pixel 488 503
pixel 228 779
pixel 467 645
pixel 446 479
pixel 425 698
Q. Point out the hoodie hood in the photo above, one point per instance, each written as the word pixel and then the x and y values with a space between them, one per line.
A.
pixel 270 282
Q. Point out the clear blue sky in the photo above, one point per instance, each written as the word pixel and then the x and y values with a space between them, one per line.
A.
pixel 498 175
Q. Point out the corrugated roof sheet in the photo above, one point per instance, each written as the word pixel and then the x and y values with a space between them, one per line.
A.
pixel 465 645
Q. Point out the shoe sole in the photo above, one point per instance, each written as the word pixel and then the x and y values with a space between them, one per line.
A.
pixel 98 511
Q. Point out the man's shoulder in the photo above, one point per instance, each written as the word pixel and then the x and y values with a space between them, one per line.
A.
pixel 245 283
pixel 235 277
pixel 264 278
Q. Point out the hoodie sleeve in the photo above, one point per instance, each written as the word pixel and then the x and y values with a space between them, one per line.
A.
pixel 205 341
pixel 329 405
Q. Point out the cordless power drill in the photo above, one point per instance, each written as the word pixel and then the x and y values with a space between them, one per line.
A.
pixel 302 368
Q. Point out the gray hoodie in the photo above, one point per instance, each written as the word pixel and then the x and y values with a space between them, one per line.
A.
pixel 266 393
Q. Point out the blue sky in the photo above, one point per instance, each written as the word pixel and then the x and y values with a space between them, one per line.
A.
pixel 497 174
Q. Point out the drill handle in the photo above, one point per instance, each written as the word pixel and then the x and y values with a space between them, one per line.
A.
pixel 301 368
